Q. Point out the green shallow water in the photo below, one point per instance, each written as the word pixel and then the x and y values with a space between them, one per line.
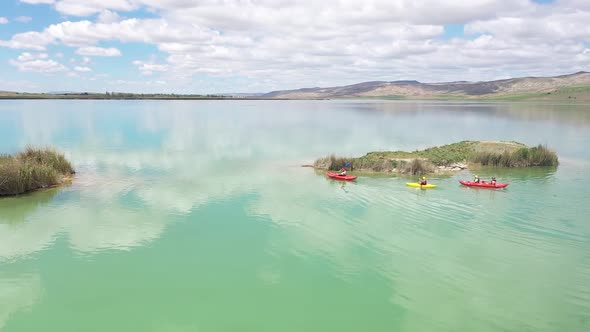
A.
pixel 195 216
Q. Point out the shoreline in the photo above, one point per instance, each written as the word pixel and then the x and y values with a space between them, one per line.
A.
pixel 64 182
pixel 434 98
pixel 385 98
pixel 91 97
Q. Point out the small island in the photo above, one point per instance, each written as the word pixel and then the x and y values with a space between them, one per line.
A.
pixel 446 158
pixel 33 169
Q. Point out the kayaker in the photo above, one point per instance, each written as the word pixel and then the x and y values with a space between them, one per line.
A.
pixel 423 182
pixel 342 171
pixel 493 180
pixel 476 179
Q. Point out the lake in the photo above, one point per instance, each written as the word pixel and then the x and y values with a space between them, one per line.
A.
pixel 197 216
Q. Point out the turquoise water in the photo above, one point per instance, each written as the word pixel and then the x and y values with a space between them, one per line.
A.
pixel 196 216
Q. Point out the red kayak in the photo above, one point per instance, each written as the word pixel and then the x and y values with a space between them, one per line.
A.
pixel 340 177
pixel 483 184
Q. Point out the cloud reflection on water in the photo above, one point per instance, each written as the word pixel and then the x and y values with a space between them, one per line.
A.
pixel 155 166
pixel 17 292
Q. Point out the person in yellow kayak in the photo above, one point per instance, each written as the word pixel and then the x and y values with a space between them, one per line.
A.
pixel 476 179
pixel 423 182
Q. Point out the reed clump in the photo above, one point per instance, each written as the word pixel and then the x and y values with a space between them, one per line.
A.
pixel 332 163
pixel 417 167
pixel 375 165
pixel 538 155
pixel 32 169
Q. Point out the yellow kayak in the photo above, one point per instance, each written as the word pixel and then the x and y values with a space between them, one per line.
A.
pixel 418 185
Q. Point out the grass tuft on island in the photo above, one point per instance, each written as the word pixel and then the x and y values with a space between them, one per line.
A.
pixel 451 157
pixel 32 169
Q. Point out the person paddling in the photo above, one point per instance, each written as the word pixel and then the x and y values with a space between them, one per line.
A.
pixel 476 179
pixel 423 182
pixel 493 180
pixel 342 171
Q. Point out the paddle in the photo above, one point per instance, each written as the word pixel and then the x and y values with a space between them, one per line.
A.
pixel 345 166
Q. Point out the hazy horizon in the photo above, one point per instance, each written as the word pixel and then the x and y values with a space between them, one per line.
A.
pixel 262 92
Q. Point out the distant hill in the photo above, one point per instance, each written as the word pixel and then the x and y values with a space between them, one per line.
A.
pixel 573 86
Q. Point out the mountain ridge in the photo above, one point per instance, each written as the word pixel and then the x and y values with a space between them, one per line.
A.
pixel 530 86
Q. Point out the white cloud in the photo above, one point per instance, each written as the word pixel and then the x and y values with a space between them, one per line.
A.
pixel 137 83
pixel 24 19
pixel 566 26
pixel 107 16
pixel 309 43
pixel 89 7
pixel 29 41
pixel 238 13
pixel 148 68
pixel 85 33
pixel 82 69
pixel 39 63
pixel 3 20
pixel 34 2
pixel 98 51
pixel 28 56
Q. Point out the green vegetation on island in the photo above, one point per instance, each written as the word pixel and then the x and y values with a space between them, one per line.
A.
pixel 451 157
pixel 31 169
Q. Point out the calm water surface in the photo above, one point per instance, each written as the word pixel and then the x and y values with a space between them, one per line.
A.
pixel 195 216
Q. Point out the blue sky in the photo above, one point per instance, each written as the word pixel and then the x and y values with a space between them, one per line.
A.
pixel 237 46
